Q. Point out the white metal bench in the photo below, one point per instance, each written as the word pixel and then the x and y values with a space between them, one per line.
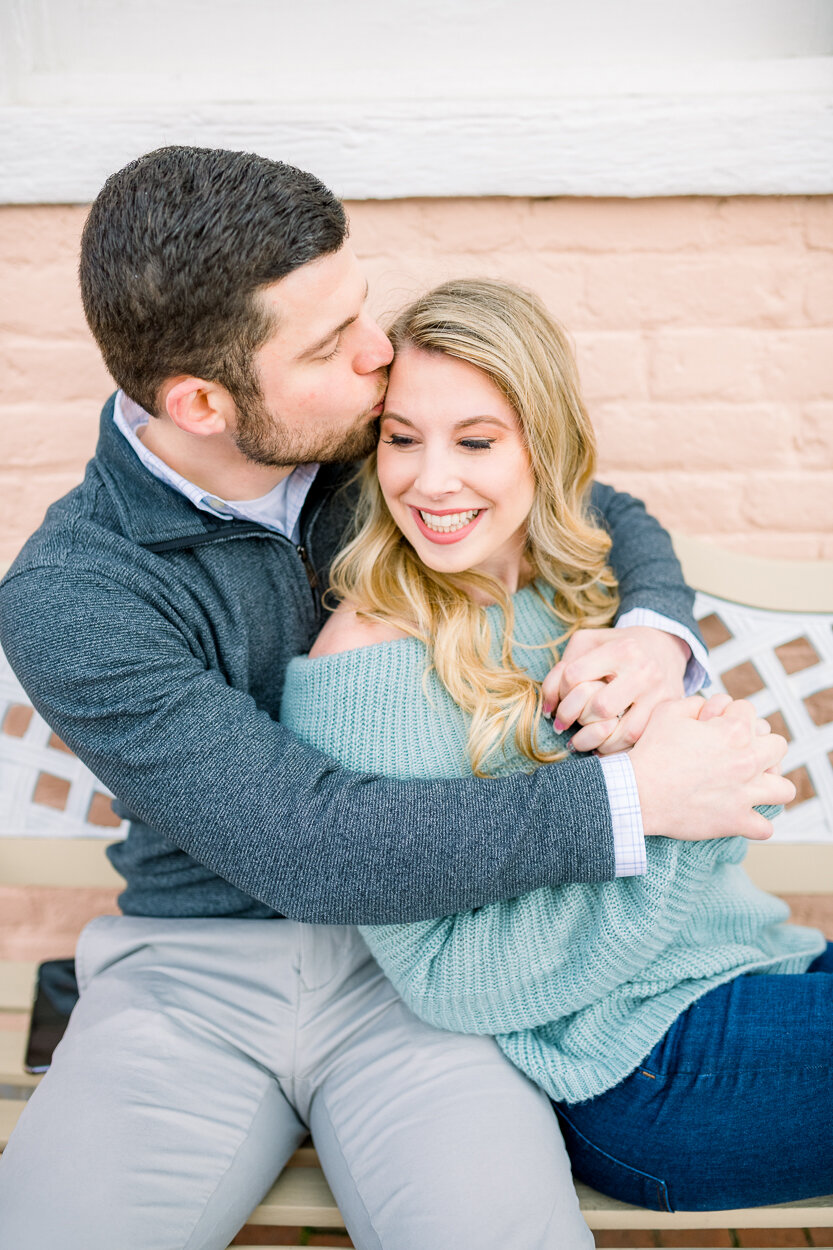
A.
pixel 55 824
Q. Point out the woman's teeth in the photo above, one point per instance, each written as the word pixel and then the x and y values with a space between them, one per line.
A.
pixel 447 524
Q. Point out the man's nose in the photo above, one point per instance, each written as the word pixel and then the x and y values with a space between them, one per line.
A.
pixel 375 352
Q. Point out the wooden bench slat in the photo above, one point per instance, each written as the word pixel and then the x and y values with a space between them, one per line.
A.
pixel 602 1212
pixel 17 984
pixel 302 1195
pixel 57 861
pixel 299 1196
pixel 791 868
pixel 779 585
pixel 12 1048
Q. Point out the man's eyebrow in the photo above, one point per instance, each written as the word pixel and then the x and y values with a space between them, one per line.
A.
pixel 458 425
pixel 331 334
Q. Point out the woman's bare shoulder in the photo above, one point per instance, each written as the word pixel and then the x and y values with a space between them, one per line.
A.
pixel 346 630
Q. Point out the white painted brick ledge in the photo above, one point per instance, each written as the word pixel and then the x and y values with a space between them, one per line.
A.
pixel 730 143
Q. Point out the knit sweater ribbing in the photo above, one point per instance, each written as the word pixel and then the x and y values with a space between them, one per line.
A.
pixel 578 982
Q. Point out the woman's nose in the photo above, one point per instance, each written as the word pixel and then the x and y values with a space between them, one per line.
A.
pixel 437 476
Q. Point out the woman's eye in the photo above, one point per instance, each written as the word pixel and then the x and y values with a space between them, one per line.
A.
pixel 476 444
pixel 398 440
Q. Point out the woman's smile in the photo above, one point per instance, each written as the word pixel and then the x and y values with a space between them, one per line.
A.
pixel 448 526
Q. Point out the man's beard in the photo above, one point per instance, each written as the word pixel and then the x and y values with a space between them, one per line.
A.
pixel 264 440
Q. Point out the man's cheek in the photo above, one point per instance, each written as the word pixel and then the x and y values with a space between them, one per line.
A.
pixel 309 401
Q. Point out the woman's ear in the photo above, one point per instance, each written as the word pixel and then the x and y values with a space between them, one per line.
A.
pixel 198 407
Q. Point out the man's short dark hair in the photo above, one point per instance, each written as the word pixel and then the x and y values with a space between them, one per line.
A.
pixel 174 251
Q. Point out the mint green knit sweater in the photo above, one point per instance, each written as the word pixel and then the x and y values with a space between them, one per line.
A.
pixel 578 982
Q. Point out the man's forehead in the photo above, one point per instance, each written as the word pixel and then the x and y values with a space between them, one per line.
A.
pixel 316 297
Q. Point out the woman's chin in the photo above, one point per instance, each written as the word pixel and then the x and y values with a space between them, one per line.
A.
pixel 442 560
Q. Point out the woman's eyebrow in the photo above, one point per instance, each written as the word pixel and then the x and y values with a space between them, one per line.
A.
pixel 484 420
pixel 458 425
pixel 394 416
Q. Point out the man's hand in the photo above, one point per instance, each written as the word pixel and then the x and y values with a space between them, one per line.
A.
pixel 610 681
pixel 701 767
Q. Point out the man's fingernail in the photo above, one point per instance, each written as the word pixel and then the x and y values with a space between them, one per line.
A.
pixel 558 727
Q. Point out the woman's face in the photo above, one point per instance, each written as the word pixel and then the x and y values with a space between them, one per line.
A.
pixel 453 466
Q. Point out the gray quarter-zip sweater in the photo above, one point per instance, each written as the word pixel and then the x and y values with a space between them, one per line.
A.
pixel 154 640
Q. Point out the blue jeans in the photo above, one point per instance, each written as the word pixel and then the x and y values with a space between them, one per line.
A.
pixel 732 1108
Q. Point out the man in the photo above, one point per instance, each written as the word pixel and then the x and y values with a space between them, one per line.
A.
pixel 151 619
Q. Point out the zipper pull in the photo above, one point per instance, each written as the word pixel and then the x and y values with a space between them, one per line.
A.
pixel 308 569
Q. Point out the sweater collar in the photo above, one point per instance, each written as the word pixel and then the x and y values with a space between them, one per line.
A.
pixel 150 511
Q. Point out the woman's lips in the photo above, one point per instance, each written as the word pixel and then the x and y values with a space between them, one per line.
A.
pixel 454 536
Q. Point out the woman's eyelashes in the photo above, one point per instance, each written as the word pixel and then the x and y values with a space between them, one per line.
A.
pixel 469 444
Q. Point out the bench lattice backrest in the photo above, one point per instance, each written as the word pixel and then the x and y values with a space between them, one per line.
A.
pixel 783 663
pixel 45 790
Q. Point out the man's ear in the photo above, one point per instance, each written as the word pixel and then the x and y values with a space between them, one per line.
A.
pixel 198 407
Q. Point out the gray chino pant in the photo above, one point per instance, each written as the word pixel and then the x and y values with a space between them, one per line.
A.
pixel 200 1053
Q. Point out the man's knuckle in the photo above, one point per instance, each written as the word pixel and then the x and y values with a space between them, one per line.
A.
pixel 662 712
pixel 738 734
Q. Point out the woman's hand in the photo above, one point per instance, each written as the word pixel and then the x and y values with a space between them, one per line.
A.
pixel 610 681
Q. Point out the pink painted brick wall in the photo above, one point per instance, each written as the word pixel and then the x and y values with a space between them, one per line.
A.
pixel 704 330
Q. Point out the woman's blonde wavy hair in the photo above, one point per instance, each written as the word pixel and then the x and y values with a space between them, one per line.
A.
pixel 507 333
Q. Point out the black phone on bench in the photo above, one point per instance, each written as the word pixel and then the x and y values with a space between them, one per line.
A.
pixel 55 996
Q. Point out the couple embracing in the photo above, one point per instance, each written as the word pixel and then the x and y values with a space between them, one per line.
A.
pixel 449 882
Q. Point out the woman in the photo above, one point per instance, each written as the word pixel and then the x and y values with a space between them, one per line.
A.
pixel 631 1002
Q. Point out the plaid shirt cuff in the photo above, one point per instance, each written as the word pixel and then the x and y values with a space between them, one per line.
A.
pixel 623 796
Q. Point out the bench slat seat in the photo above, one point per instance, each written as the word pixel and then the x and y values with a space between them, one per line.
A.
pixel 602 1212
pixel 302 1195
pixel 12 1049
pixel 17 984
pixel 77 861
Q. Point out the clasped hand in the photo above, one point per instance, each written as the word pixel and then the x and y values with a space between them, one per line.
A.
pixel 701 765
pixel 610 681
